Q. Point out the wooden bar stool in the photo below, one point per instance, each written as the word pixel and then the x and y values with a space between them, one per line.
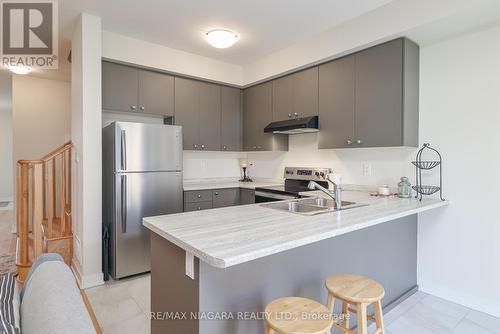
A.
pixel 358 291
pixel 296 315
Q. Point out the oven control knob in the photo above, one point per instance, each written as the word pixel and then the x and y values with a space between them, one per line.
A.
pixel 317 174
pixel 322 175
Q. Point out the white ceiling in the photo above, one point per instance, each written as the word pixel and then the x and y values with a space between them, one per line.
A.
pixel 264 26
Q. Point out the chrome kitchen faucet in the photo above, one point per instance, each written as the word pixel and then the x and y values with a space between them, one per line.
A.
pixel 336 195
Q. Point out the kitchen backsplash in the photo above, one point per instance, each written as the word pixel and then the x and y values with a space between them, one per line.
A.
pixel 200 165
pixel 367 166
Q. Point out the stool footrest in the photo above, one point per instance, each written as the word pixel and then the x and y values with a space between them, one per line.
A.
pixel 369 317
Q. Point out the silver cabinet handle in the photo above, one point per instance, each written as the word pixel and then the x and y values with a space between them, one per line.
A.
pixel 259 147
pixel 199 208
pixel 216 193
pixel 202 147
pixel 142 108
pixel 254 147
pixel 123 149
pixel 199 196
pixel 348 142
pixel 195 146
pixel 289 115
pixel 224 147
pixel 296 114
pixel 359 142
pixel 133 107
pixel 123 179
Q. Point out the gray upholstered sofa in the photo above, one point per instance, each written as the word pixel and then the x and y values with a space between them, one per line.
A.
pixel 51 302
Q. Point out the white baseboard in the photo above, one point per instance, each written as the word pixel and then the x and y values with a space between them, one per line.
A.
pixel 491 307
pixel 89 281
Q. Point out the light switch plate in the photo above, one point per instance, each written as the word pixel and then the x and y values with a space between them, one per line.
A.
pixel 367 169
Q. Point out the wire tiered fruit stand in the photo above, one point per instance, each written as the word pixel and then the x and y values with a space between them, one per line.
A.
pixel 421 165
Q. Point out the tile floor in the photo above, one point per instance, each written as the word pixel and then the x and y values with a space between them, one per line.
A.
pixel 123 307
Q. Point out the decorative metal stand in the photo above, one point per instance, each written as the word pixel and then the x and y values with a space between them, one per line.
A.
pixel 245 177
pixel 427 165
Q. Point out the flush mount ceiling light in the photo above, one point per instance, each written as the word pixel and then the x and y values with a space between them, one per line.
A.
pixel 221 38
pixel 19 69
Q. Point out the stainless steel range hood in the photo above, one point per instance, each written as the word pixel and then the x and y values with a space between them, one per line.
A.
pixel 294 126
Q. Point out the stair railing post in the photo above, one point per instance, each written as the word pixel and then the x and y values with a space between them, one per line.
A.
pixel 62 199
pixel 37 207
pixel 51 186
pixel 22 223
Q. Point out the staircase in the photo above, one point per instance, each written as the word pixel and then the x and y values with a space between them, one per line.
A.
pixel 43 208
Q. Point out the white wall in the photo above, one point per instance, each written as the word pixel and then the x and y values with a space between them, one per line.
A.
pixel 87 162
pixel 135 51
pixel 41 115
pixel 6 158
pixel 459 247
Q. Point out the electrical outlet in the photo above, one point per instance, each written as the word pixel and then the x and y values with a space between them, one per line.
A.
pixel 367 169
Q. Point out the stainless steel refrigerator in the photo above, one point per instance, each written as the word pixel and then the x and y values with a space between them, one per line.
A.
pixel 142 176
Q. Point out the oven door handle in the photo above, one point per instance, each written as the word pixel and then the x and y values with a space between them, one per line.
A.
pixel 274 196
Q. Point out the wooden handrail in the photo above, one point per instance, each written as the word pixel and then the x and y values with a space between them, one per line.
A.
pixel 66 146
pixel 42 186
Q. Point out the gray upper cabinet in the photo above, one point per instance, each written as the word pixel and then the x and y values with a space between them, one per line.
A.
pixel 231 119
pixel 370 99
pixel 296 95
pixel 257 114
pixel 336 103
pixel 126 88
pixel 210 116
pixel 120 87
pixel 198 111
pixel 379 90
pixel 186 111
pixel 156 93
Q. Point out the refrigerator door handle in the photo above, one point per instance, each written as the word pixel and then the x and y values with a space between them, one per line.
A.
pixel 123 149
pixel 124 203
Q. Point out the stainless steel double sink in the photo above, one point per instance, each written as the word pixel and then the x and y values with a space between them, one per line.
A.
pixel 311 206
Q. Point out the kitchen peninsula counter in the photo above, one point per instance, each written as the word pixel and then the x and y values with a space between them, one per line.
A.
pixel 245 256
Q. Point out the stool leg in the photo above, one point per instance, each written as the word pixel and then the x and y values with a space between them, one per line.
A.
pixel 330 302
pixel 269 330
pixel 362 320
pixel 379 316
pixel 345 313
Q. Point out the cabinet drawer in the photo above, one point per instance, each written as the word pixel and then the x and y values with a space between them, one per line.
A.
pixel 226 197
pixel 197 206
pixel 198 196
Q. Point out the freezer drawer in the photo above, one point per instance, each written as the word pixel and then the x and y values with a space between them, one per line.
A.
pixel 147 147
pixel 140 195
